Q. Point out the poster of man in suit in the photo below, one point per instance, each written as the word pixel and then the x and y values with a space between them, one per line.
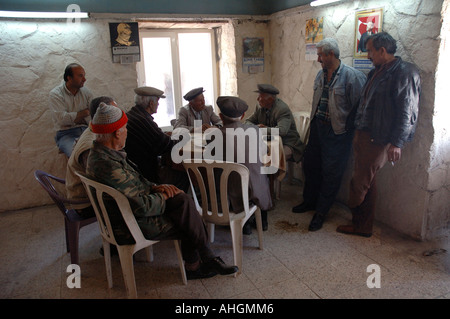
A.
pixel 367 22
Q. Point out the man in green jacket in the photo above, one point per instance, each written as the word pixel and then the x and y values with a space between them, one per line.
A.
pixel 161 211
pixel 271 113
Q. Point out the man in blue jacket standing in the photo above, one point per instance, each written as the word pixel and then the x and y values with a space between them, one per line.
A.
pixel 385 121
pixel 337 89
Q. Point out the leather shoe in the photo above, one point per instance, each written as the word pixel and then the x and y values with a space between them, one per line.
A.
pixel 200 273
pixel 218 265
pixel 350 229
pixel 303 208
pixel 112 250
pixel 316 222
pixel 247 229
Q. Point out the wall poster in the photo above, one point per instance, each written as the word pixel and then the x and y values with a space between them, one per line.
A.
pixel 313 35
pixel 367 22
pixel 253 60
pixel 125 42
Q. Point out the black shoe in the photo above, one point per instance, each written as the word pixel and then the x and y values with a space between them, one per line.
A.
pixel 112 249
pixel 217 265
pixel 316 222
pixel 247 229
pixel 201 273
pixel 303 208
pixel 265 224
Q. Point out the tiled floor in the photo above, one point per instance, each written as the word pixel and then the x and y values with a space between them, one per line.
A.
pixel 295 263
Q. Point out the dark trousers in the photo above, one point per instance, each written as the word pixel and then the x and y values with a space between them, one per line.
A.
pixel 325 159
pixel 369 159
pixel 188 226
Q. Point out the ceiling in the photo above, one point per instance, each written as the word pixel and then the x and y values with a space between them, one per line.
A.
pixel 220 7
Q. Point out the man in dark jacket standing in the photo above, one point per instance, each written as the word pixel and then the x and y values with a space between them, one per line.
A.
pixel 386 119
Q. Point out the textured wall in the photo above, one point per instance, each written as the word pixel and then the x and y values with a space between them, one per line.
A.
pixel 413 195
pixel 33 56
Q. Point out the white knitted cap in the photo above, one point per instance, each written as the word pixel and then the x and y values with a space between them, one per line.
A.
pixel 108 119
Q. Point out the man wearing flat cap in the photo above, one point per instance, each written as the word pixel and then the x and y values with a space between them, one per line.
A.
pixel 235 133
pixel 196 110
pixel 272 112
pixel 146 142
pixel 162 211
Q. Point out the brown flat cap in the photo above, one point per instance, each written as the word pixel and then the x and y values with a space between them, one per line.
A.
pixel 267 88
pixel 231 106
pixel 193 93
pixel 149 91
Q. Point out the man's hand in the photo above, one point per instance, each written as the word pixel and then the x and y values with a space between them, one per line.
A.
pixel 205 127
pixel 81 115
pixel 394 153
pixel 167 190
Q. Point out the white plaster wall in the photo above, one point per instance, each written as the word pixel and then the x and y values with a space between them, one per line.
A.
pixel 33 55
pixel 247 83
pixel 413 195
pixel 404 195
pixel 438 213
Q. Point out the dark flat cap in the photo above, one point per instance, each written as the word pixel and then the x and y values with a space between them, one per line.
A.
pixel 193 93
pixel 149 91
pixel 267 88
pixel 231 106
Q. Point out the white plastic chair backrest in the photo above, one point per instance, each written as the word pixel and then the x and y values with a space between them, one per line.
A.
pixel 97 199
pixel 302 121
pixel 213 215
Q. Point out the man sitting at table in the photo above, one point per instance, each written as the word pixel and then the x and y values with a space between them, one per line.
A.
pixel 272 112
pixel 196 110
pixel 146 142
pixel 232 111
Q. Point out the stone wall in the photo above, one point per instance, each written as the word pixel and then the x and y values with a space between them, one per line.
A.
pixel 33 55
pixel 413 195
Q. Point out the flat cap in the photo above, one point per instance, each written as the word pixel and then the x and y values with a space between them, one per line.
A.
pixel 267 88
pixel 231 106
pixel 193 93
pixel 149 91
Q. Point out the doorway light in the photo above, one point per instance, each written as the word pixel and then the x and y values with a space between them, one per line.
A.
pixel 322 2
pixel 44 15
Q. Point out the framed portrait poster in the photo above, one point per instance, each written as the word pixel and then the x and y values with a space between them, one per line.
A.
pixel 125 42
pixel 367 22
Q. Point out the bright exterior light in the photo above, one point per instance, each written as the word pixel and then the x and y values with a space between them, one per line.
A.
pixel 322 2
pixel 45 15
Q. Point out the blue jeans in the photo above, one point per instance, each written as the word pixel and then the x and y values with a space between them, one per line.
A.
pixel 65 139
pixel 325 160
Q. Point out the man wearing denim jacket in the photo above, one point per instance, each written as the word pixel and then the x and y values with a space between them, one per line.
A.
pixel 337 89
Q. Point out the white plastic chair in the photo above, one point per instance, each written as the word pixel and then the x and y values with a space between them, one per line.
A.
pixel 96 192
pixel 205 179
pixel 302 121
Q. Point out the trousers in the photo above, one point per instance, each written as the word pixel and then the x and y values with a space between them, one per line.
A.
pixel 369 159
pixel 325 159
pixel 188 226
pixel 65 139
